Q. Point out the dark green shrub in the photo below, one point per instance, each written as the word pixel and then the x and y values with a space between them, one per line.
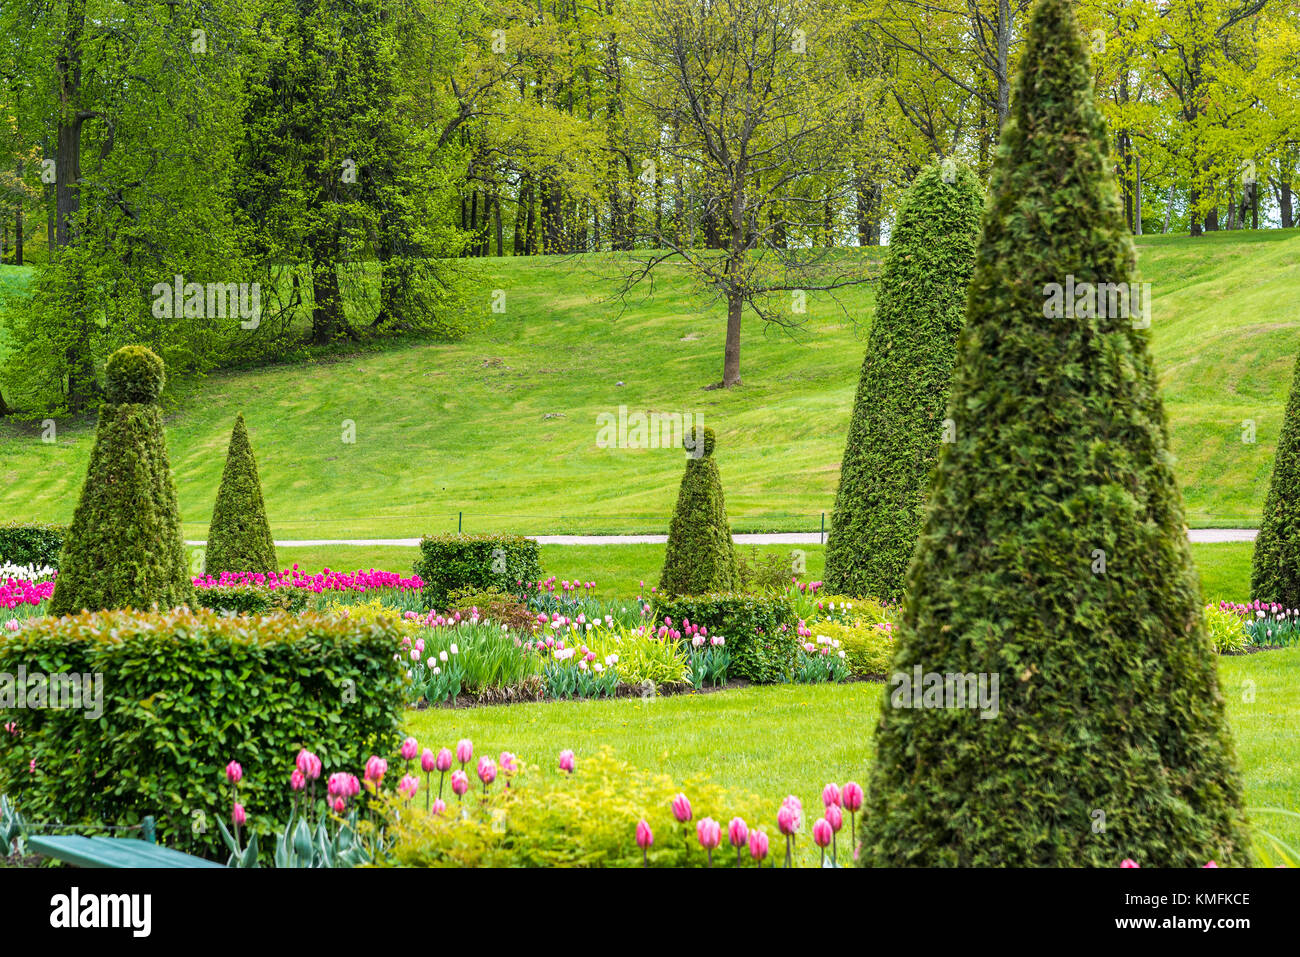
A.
pixel 31 543
pixel 902 397
pixel 252 599
pixel 239 539
pixel 124 548
pixel 448 562
pixel 700 556
pixel 761 630
pixel 1275 568
pixel 184 694
pixel 1053 554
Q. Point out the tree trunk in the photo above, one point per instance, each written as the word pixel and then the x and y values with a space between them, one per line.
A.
pixel 735 290
pixel 327 322
pixel 1284 203
pixel 1137 195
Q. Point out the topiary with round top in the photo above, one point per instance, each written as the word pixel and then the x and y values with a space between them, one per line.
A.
pixel 124 547
pixel 700 556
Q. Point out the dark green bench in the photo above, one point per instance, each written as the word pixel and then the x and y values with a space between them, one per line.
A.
pixel 113 852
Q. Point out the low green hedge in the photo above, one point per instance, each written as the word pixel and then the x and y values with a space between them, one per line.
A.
pixel 450 562
pixel 760 629
pixel 182 694
pixel 253 599
pixel 31 543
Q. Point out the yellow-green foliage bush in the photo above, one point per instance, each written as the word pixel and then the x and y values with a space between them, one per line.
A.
pixel 1227 629
pixel 641 657
pixel 584 819
pixel 868 648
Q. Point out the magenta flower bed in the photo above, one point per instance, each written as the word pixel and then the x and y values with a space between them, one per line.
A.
pixel 16 591
pixel 327 581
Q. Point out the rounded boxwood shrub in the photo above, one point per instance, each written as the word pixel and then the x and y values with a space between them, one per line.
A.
pixel 450 562
pixel 239 538
pixel 1275 567
pixel 1053 555
pixel 760 630
pixel 124 548
pixel 902 396
pixel 700 556
pixel 31 543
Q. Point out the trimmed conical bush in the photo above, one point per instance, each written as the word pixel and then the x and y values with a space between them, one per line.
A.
pixel 700 557
pixel 1275 569
pixel 1053 557
pixel 124 547
pixel 902 396
pixel 239 539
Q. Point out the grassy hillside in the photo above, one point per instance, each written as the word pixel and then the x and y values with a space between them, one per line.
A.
pixel 503 427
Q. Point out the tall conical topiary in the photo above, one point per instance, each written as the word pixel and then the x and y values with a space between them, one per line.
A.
pixel 239 539
pixel 124 547
pixel 1275 569
pixel 902 396
pixel 700 556
pixel 1053 556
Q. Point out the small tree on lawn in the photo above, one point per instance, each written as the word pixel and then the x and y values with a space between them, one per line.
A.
pixel 239 539
pixel 902 396
pixel 1053 557
pixel 1275 570
pixel 124 548
pixel 700 556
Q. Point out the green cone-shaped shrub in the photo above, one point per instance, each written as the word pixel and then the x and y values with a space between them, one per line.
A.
pixel 124 547
pixel 1053 555
pixel 239 539
pixel 902 396
pixel 1275 570
pixel 700 557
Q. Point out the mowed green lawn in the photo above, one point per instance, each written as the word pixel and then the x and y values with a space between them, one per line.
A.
pixel 503 426
pixel 792 739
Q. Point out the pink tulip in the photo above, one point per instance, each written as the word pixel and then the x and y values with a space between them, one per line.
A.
pixel 308 764
pixel 1129 862
pixel 376 768
pixel 831 795
pixel 408 786
pixel 410 748
pixel 234 773
pixel 237 815
pixel 710 834
pixel 851 796
pixel 644 838
pixel 737 832
pixel 464 751
pixel 681 808
pixel 339 805
pixel 427 761
pixel 297 780
pixel 566 761
pixel 835 817
pixel 1209 864
pixel 439 806
pixel 459 783
pixel 508 763
pixel 444 760
pixel 787 820
pixel 758 845
pixel 487 771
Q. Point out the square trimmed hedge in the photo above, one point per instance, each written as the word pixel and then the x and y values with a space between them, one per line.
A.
pixel 761 630
pixel 31 543
pixel 450 562
pixel 184 693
